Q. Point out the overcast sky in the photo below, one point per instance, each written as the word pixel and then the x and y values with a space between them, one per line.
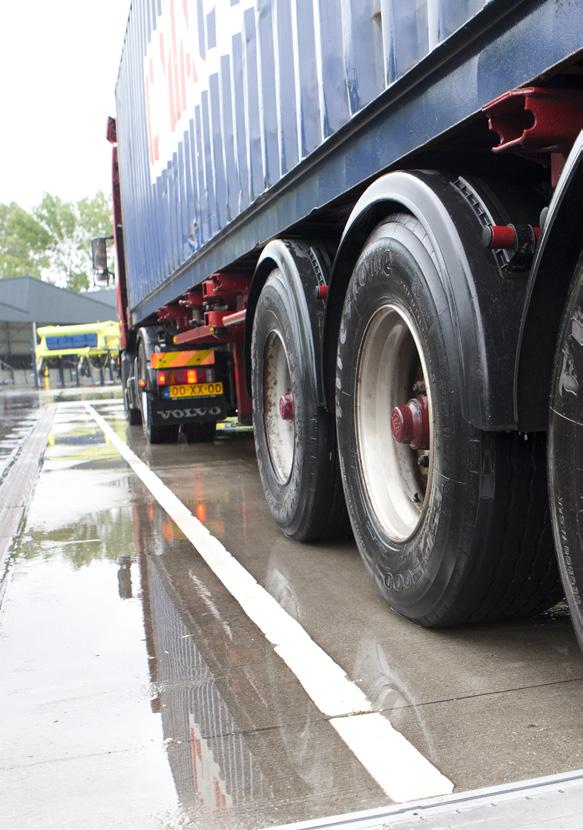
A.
pixel 58 65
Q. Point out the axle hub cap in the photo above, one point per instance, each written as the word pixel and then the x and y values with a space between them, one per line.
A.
pixel 410 423
pixel 286 407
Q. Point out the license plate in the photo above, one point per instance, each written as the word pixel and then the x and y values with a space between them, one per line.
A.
pixel 196 390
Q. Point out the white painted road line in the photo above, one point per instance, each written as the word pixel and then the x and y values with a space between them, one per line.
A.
pixel 398 768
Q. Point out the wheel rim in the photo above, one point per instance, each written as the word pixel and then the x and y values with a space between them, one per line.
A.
pixel 392 369
pixel 280 431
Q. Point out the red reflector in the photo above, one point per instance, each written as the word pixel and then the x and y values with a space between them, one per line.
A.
pixel 191 376
pixel 161 378
pixel 142 383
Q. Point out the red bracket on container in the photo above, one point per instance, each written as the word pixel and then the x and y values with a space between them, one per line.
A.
pixel 111 133
pixel 225 319
pixel 215 318
pixel 225 286
pixel 237 319
pixel 200 334
pixel 536 119
pixel 221 326
pixel 191 299
pixel 174 313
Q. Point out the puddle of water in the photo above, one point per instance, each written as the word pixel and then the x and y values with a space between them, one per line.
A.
pixel 18 415
pixel 129 700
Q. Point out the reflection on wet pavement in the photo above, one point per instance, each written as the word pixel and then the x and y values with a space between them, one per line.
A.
pixel 139 695
pixel 210 759
pixel 203 738
pixel 18 415
pixel 245 744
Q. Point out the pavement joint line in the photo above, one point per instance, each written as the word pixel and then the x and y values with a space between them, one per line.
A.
pixel 479 695
pixel 400 770
pixel 79 757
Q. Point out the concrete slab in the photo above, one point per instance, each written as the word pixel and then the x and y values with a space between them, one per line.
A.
pixel 138 693
pixel 502 737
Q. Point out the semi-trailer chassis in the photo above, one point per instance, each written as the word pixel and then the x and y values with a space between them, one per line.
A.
pixel 357 224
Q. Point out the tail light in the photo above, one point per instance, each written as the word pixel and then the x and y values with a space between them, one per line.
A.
pixel 177 376
pixel 190 376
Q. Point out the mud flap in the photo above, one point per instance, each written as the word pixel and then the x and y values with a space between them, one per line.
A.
pixel 189 410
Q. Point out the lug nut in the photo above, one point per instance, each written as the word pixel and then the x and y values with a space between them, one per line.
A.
pixel 286 407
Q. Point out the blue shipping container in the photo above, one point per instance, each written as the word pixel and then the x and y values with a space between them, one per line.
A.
pixel 222 103
pixel 217 101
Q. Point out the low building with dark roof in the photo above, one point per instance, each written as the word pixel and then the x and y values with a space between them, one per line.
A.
pixel 26 302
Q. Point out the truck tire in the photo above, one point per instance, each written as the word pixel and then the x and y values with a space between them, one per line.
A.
pixel 154 433
pixel 133 416
pixel 565 450
pixel 199 433
pixel 456 530
pixel 294 436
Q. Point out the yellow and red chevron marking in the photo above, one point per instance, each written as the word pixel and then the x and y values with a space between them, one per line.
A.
pixel 172 360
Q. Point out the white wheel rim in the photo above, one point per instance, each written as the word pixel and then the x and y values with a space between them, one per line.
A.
pixel 280 433
pixel 389 363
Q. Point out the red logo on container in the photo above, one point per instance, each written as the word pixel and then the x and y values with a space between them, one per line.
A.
pixel 172 69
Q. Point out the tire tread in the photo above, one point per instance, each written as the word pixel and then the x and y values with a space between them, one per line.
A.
pixel 525 579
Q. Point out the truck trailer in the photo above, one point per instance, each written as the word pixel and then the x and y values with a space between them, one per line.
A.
pixel 357 225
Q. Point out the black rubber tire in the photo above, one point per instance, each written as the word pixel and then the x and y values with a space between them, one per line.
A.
pixel 199 433
pixel 133 416
pixel 565 450
pixel 483 548
pixel 309 506
pixel 153 433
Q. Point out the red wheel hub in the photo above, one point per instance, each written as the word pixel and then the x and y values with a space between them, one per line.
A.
pixel 286 407
pixel 410 423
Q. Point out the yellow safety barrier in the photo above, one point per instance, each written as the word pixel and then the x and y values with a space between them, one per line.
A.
pixel 85 340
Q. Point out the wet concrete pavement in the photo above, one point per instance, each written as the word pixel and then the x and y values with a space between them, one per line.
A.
pixel 18 414
pixel 137 693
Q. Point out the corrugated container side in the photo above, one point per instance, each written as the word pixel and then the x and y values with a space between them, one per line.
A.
pixel 217 100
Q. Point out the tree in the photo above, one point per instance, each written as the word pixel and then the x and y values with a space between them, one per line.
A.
pixel 71 226
pixel 24 243
pixel 54 239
